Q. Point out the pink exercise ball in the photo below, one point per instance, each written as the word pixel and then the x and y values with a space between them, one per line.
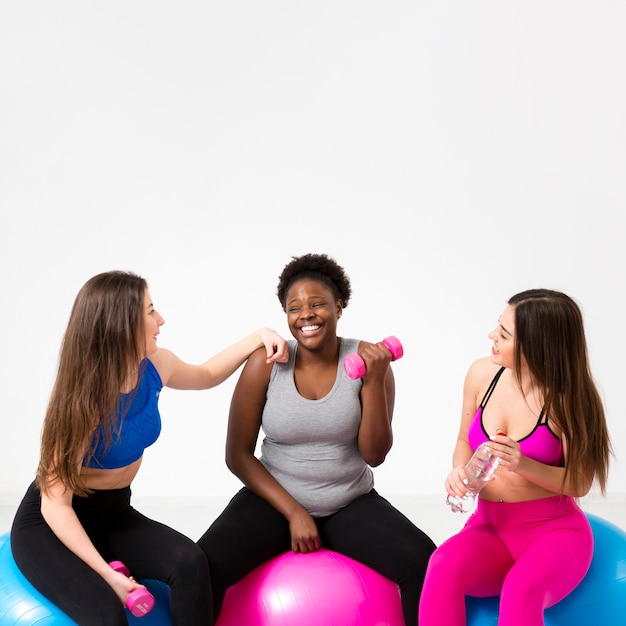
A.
pixel 322 587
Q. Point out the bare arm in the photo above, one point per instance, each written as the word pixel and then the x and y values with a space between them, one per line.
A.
pixel 377 401
pixel 178 374
pixel 548 477
pixel 56 508
pixel 536 476
pixel 474 383
pixel 244 423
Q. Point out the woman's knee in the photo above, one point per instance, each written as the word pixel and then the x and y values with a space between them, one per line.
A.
pixel 421 549
pixel 446 564
pixel 189 566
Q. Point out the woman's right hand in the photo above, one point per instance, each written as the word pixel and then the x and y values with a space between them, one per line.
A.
pixel 123 585
pixel 304 534
pixel 456 481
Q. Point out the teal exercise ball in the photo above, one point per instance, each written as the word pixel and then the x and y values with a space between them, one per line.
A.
pixel 22 605
pixel 600 598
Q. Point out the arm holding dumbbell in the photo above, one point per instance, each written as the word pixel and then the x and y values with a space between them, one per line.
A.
pixel 56 508
pixel 140 601
pixel 377 401
pixel 354 365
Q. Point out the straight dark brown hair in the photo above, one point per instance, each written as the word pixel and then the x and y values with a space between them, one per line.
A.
pixel 101 351
pixel 550 336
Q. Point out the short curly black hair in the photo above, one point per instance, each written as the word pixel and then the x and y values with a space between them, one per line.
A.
pixel 318 267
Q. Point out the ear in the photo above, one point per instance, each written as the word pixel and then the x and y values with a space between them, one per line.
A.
pixel 339 308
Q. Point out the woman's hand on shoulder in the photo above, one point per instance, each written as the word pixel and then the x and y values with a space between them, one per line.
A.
pixel 178 374
pixel 276 348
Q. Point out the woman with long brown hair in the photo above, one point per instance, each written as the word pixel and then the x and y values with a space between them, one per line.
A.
pixel 103 413
pixel 528 540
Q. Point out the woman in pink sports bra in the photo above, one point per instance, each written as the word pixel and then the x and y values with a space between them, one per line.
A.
pixel 528 541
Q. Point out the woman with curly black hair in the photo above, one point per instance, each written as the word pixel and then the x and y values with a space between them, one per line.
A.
pixel 312 485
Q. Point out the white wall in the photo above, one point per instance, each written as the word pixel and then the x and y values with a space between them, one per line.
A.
pixel 447 154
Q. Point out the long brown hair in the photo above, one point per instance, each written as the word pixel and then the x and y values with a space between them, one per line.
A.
pixel 550 337
pixel 101 350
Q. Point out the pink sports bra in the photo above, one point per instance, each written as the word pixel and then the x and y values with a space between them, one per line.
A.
pixel 541 444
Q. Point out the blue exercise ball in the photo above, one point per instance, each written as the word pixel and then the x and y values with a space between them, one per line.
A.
pixel 598 599
pixel 22 605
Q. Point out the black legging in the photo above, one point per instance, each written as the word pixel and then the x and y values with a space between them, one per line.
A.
pixel 370 530
pixel 149 549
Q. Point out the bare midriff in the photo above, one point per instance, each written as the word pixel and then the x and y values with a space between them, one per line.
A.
pixel 117 478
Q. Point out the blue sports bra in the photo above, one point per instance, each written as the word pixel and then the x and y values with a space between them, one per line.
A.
pixel 139 424
pixel 541 444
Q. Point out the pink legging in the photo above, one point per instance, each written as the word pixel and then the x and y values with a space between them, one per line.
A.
pixel 532 554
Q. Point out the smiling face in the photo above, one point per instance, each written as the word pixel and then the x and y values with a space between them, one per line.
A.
pixel 312 313
pixel 152 322
pixel 503 337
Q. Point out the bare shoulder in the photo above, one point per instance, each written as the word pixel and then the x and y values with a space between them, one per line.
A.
pixel 481 372
pixel 259 358
pixel 161 357
pixel 257 366
pixel 164 361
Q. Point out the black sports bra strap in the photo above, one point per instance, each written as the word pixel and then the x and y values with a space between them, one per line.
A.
pixel 492 386
pixel 543 418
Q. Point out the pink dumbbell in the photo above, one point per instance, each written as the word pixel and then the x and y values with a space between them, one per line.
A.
pixel 355 366
pixel 140 601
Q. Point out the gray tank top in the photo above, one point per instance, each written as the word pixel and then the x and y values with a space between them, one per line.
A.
pixel 310 446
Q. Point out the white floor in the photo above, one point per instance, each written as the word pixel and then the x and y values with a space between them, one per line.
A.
pixel 428 512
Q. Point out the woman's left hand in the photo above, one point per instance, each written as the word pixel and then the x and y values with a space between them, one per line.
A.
pixel 276 347
pixel 376 357
pixel 508 450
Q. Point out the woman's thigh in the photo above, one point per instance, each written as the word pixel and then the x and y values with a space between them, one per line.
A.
pixel 150 549
pixel 247 533
pixel 64 579
pixel 375 533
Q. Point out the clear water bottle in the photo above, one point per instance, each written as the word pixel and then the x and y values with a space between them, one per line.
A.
pixel 479 469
